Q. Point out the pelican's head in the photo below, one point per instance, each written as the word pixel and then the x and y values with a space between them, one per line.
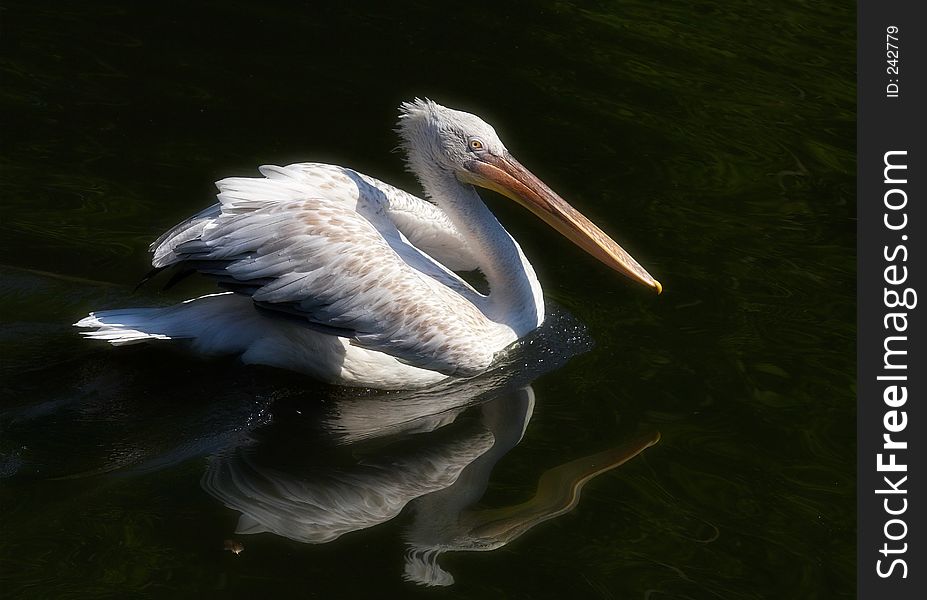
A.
pixel 448 141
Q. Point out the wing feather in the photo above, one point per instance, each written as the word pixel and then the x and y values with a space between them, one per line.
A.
pixel 321 243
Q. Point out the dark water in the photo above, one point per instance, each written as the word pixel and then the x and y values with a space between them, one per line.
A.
pixel 715 139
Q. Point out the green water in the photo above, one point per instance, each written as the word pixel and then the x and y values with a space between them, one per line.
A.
pixel 716 140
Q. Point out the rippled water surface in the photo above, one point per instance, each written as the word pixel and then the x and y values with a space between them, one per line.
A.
pixel 699 444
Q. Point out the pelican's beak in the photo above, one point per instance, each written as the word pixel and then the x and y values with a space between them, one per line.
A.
pixel 507 176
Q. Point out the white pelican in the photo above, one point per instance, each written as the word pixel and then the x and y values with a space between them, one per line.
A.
pixel 364 272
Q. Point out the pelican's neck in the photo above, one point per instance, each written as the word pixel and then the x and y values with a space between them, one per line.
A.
pixel 515 298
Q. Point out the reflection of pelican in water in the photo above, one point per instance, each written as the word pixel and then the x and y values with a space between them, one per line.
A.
pixel 440 478
pixel 437 464
pixel 364 272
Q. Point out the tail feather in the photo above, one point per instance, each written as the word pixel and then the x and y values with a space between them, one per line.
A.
pixel 217 323
pixel 122 327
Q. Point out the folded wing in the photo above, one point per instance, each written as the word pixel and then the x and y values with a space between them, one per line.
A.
pixel 319 243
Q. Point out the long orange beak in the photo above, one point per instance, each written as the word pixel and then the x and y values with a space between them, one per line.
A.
pixel 507 176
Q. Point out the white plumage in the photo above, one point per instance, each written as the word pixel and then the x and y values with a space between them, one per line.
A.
pixel 351 280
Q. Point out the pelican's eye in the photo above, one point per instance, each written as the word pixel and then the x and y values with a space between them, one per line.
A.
pixel 476 144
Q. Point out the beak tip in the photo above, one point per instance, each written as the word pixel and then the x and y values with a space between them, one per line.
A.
pixel 658 286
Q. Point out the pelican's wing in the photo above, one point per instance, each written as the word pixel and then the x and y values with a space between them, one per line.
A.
pixel 329 254
pixel 424 224
pixel 427 227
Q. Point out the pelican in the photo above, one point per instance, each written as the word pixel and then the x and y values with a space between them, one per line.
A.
pixel 338 275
